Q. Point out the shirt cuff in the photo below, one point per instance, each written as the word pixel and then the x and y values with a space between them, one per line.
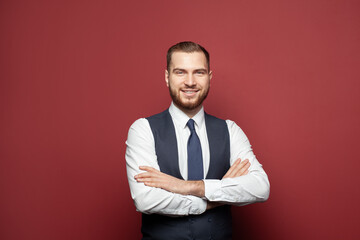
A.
pixel 211 186
pixel 199 205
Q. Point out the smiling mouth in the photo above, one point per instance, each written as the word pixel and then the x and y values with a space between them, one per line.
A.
pixel 190 91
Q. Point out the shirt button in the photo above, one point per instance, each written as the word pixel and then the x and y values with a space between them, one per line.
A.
pixel 209 219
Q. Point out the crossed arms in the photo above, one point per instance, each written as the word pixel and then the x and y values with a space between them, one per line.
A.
pixel 156 192
pixel 154 178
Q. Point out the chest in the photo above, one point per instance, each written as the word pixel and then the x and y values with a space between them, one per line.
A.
pixel 171 142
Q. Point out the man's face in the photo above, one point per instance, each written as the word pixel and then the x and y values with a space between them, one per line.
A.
pixel 188 80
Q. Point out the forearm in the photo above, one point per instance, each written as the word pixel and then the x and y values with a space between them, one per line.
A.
pixel 250 188
pixel 150 200
pixel 159 201
pixel 194 188
pixel 156 200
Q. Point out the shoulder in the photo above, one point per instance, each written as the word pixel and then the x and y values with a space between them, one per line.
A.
pixel 140 127
pixel 144 126
pixel 159 115
pixel 234 130
pixel 143 123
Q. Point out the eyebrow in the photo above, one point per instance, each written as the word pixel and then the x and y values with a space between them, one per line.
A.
pixel 178 69
pixel 181 69
pixel 201 69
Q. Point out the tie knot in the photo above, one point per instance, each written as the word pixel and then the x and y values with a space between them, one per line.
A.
pixel 190 125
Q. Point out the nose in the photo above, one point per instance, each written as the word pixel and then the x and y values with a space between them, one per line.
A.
pixel 190 80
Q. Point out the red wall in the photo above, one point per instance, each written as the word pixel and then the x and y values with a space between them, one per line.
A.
pixel 75 74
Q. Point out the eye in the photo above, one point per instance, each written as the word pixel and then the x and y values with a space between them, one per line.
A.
pixel 179 72
pixel 200 72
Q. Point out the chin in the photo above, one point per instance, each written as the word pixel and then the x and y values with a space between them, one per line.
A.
pixel 189 105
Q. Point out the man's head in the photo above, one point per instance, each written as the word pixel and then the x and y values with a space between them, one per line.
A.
pixel 188 76
pixel 188 47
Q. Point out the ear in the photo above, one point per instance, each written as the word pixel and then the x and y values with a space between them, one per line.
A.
pixel 210 75
pixel 167 78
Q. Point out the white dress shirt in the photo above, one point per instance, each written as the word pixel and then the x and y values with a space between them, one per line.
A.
pixel 140 151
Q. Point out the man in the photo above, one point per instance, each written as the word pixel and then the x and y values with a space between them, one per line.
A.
pixel 185 167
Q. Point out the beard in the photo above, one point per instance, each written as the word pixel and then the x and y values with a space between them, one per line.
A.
pixel 187 105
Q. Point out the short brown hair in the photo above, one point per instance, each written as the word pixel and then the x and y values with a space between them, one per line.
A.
pixel 187 47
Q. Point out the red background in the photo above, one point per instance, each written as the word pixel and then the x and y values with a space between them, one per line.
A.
pixel 75 75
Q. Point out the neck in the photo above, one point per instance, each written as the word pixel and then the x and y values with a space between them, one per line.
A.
pixel 189 112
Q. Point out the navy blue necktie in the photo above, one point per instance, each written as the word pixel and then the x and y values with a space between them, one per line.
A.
pixel 195 161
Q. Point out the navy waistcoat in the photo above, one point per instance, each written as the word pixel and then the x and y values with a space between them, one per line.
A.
pixel 212 224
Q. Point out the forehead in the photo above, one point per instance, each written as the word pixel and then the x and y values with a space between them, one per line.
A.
pixel 184 60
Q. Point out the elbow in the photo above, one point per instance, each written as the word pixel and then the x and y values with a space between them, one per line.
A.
pixel 143 205
pixel 264 192
pixel 146 204
pixel 261 189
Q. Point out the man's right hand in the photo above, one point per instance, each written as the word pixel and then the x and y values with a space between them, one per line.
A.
pixel 239 168
pixel 211 205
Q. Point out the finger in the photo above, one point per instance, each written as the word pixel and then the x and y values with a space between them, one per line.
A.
pixel 242 164
pixel 232 168
pixel 237 168
pixel 151 182
pixel 243 169
pixel 230 172
pixel 147 168
pixel 144 180
pixel 147 174
pixel 150 178
pixel 142 175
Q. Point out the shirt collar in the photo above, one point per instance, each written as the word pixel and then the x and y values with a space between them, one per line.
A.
pixel 181 119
